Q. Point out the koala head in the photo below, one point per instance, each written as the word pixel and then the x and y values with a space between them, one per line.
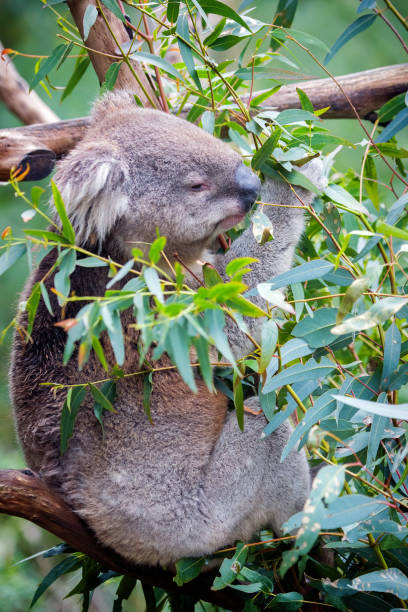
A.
pixel 138 170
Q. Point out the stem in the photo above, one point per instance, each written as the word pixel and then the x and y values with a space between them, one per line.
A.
pixel 353 108
pixel 156 69
pixel 393 28
pixel 397 13
pixel 126 59
pixel 296 398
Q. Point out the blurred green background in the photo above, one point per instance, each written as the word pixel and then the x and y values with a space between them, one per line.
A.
pixel 30 28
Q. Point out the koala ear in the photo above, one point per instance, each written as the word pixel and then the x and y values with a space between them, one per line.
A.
pixel 91 183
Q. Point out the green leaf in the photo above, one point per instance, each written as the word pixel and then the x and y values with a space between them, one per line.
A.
pixel 101 396
pixel 298 373
pixel 391 108
pixel 244 307
pixel 316 330
pixel 211 38
pixel 124 591
pixel 396 125
pixel 390 580
pixel 323 407
pixel 48 65
pixel 265 152
pixel 147 394
pixel 377 429
pixel 91 262
pixel 201 346
pixel 104 399
pixel 284 16
pixel 156 60
pixel 305 101
pixel 46 235
pixel 398 411
pixel 214 324
pixel 238 393
pixel 124 270
pixel 179 351
pixel 67 263
pixel 72 404
pixel 286 601
pixel 341 196
pixel 70 564
pixel 351 509
pixel 211 276
pixel 153 283
pixel 208 121
pixel 275 297
pixel 188 569
pixel 90 15
pixel 115 334
pixel 111 76
pixel 173 7
pixel 293 115
pixel 32 306
pixel 236 268
pixel 46 299
pixel 220 8
pixel 230 568
pixel 353 293
pixel 156 249
pixel 67 229
pixel 98 348
pixel 392 352
pixel 366 5
pixel 391 230
pixel 381 311
pixel 326 487
pixel 359 25
pixel 305 272
pixel 76 76
pixel 371 183
pixel 11 255
pixel 186 53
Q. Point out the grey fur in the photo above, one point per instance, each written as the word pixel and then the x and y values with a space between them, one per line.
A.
pixel 192 482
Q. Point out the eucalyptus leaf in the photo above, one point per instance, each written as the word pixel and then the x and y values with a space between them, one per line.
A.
pixel 398 411
pixel 381 311
pixel 359 25
pixel 390 580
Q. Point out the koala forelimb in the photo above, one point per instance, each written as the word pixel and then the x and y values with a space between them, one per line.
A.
pixel 193 482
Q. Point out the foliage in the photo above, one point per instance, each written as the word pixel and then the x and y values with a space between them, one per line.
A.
pixel 333 357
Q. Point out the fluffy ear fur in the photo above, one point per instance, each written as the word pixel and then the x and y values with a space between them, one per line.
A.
pixel 91 182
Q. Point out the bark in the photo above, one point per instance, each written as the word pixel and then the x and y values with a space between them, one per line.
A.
pixel 367 90
pixel 101 39
pixel 14 92
pixel 24 494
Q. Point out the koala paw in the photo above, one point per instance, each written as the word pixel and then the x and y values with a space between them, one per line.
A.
pixel 314 171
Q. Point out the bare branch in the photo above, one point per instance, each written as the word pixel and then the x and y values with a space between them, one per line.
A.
pixel 24 494
pixel 14 92
pixel 367 90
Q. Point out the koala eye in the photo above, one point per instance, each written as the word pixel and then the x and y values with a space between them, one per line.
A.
pixel 199 187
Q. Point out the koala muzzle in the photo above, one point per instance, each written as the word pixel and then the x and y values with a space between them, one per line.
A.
pixel 248 185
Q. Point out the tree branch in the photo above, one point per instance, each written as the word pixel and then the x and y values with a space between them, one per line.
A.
pixel 367 90
pixel 14 93
pixel 102 38
pixel 24 494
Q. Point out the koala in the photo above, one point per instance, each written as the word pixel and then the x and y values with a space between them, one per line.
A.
pixel 192 482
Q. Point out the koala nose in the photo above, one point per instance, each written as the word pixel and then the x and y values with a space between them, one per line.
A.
pixel 248 185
